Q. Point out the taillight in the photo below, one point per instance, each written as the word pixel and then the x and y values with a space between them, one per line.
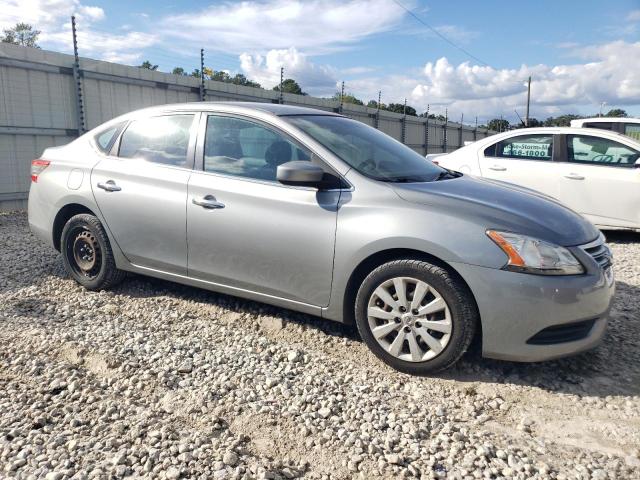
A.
pixel 37 166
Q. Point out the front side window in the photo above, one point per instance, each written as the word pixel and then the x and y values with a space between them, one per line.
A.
pixel 234 146
pixel 163 139
pixel 367 150
pixel 632 130
pixel 524 147
pixel 600 151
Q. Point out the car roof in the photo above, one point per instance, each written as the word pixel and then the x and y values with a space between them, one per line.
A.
pixel 580 121
pixel 271 108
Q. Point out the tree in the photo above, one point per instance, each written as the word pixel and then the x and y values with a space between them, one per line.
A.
pixel 178 71
pixel 348 98
pixel 196 73
pixel 498 124
pixel 289 85
pixel 616 112
pixel 560 121
pixel 147 64
pixel 432 116
pixel 399 108
pixel 22 34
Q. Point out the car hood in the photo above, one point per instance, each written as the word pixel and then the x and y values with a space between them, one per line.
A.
pixel 503 206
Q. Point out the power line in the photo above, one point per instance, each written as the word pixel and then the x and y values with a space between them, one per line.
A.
pixel 434 30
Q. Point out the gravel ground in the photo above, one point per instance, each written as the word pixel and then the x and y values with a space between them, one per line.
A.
pixel 158 380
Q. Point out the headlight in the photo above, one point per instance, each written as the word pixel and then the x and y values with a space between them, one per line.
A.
pixel 530 255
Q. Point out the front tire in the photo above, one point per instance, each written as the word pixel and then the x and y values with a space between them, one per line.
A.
pixel 415 316
pixel 87 254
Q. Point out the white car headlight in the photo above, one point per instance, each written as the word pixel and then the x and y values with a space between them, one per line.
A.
pixel 531 255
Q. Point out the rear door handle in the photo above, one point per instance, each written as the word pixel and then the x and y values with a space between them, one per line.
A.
pixel 574 176
pixel 109 186
pixel 497 168
pixel 208 201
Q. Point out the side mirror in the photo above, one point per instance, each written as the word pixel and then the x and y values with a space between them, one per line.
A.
pixel 301 173
pixel 637 163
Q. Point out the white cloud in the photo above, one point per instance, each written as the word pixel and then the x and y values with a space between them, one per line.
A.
pixel 52 18
pixel 312 26
pixel 602 75
pixel 265 69
pixel 634 16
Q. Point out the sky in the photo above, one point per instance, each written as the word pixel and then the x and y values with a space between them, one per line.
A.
pixel 467 57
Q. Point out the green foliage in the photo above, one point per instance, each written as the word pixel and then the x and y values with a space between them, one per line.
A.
pixel 237 79
pixel 147 64
pixel 348 98
pixel 399 108
pixel 616 112
pixel 561 121
pixel 178 71
pixel 498 124
pixel 22 34
pixel 289 85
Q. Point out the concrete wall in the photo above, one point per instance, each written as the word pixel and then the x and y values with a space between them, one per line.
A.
pixel 38 108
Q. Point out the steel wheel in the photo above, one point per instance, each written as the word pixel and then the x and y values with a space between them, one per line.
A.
pixel 409 319
pixel 84 254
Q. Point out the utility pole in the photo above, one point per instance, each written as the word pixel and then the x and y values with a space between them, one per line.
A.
pixel 404 121
pixel 377 125
pixel 444 131
pixel 526 118
pixel 460 131
pixel 281 99
pixel 426 133
pixel 341 98
pixel 475 130
pixel 202 91
pixel 76 78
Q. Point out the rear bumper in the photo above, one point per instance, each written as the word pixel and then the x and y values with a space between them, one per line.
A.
pixel 40 215
pixel 520 313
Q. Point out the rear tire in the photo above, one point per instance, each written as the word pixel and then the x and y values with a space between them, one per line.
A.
pixel 87 254
pixel 417 317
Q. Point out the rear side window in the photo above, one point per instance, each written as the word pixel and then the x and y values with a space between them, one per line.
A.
pixel 163 139
pixel 600 151
pixel 525 147
pixel 632 130
pixel 600 125
pixel 104 139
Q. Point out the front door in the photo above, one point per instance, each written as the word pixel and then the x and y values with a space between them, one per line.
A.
pixel 600 180
pixel 141 190
pixel 246 230
pixel 525 160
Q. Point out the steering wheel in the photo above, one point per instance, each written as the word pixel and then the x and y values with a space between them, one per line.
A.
pixel 603 159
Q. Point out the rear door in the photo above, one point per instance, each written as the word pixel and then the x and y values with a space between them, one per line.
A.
pixel 141 190
pixel 525 160
pixel 600 180
pixel 248 231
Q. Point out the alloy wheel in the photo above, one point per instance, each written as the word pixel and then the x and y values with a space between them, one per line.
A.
pixel 409 319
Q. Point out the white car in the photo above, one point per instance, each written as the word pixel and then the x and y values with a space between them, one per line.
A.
pixel 594 172
pixel 627 126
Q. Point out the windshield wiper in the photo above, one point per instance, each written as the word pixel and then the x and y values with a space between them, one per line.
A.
pixel 446 174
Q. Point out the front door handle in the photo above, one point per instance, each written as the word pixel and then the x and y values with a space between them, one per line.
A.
pixel 208 201
pixel 574 176
pixel 497 168
pixel 109 186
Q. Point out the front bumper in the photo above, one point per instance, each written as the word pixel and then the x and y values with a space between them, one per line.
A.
pixel 516 307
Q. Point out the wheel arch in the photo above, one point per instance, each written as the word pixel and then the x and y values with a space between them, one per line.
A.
pixel 63 216
pixel 374 260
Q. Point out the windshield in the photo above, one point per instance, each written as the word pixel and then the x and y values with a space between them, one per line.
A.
pixel 369 151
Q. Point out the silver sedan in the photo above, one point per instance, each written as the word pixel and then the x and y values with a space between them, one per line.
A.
pixel 318 213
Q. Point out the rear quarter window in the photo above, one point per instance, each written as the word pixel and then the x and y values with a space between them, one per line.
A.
pixel 104 139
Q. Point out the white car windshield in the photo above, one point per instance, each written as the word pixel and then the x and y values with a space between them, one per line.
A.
pixel 369 151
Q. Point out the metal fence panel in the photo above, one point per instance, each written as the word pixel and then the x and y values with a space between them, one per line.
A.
pixel 38 107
